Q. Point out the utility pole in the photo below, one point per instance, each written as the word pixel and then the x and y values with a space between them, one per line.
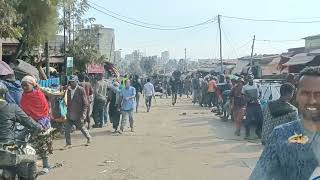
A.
pixel 221 61
pixel 252 48
pixel 64 37
pixel 185 59
pixel 46 51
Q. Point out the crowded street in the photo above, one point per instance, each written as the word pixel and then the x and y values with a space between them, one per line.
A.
pixel 159 90
pixel 184 142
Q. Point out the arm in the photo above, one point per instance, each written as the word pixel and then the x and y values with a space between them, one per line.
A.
pixel 153 92
pixel 26 121
pixel 268 166
pixel 120 101
pixel 140 87
pixel 134 92
pixel 85 103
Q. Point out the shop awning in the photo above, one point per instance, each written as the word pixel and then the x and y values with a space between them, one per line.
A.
pixel 95 69
pixel 302 58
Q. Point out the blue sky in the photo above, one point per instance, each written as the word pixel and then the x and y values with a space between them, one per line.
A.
pixel 202 42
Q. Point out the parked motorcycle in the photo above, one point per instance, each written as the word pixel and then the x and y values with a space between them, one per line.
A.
pixel 18 158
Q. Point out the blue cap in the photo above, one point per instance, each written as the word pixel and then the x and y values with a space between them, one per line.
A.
pixel 73 78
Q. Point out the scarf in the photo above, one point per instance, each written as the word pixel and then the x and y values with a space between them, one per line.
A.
pixel 35 104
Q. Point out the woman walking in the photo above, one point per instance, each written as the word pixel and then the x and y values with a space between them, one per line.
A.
pixel 238 105
pixel 35 104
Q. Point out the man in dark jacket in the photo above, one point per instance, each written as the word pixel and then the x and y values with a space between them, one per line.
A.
pixel 77 104
pixel 11 113
pixel 137 85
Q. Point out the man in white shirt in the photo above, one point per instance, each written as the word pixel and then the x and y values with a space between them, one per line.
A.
pixel 252 93
pixel 149 92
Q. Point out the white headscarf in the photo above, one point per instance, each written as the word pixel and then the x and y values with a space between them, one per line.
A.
pixel 30 80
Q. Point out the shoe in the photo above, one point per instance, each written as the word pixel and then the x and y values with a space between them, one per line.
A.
pixel 69 146
pixel 119 132
pixel 237 132
pixel 247 137
pixel 89 140
pixel 132 130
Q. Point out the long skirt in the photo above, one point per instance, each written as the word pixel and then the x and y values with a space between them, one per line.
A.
pixel 238 114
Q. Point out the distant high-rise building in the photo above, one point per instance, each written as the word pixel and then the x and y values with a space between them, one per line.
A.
pixel 165 56
pixel 106 43
pixel 117 57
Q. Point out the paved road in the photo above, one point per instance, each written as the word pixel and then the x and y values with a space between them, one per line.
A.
pixel 167 144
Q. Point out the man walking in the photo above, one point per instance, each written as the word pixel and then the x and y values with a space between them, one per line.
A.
pixel 252 94
pixel 148 93
pixel 113 100
pixel 127 105
pixel 279 111
pixel 77 109
pixel 137 85
pixel 195 84
pixel 212 92
pixel 89 93
pixel 100 99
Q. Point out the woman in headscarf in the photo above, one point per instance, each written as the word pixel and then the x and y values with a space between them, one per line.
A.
pixel 35 104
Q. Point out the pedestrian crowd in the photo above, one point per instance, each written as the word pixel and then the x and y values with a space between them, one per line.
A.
pixel 96 100
pixel 289 127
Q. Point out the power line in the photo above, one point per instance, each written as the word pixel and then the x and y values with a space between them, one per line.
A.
pixel 266 40
pixel 211 20
pixel 272 20
pixel 227 35
pixel 133 19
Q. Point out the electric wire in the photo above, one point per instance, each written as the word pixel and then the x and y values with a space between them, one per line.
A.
pixel 211 20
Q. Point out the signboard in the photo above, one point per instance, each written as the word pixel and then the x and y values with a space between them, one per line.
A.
pixel 69 66
pixel 69 62
pixel 95 69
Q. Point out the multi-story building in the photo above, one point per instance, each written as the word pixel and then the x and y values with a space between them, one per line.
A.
pixel 56 44
pixel 117 57
pixel 312 42
pixel 165 56
pixel 105 41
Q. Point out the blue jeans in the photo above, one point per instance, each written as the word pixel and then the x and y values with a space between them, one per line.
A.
pixel 98 112
pixel 125 116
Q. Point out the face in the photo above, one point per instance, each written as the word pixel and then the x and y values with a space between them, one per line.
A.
pixel 73 84
pixel 250 80
pixel 27 87
pixel 308 97
pixel 128 83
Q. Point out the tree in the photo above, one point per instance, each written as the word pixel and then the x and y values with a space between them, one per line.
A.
pixel 9 19
pixel 135 68
pixel 147 64
pixel 38 21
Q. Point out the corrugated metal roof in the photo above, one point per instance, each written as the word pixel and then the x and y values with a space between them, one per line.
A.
pixel 301 58
pixel 314 52
pixel 240 65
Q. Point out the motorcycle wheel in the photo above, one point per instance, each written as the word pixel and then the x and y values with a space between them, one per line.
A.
pixel 8 174
pixel 27 171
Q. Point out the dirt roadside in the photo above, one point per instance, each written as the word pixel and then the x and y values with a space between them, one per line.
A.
pixel 167 145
